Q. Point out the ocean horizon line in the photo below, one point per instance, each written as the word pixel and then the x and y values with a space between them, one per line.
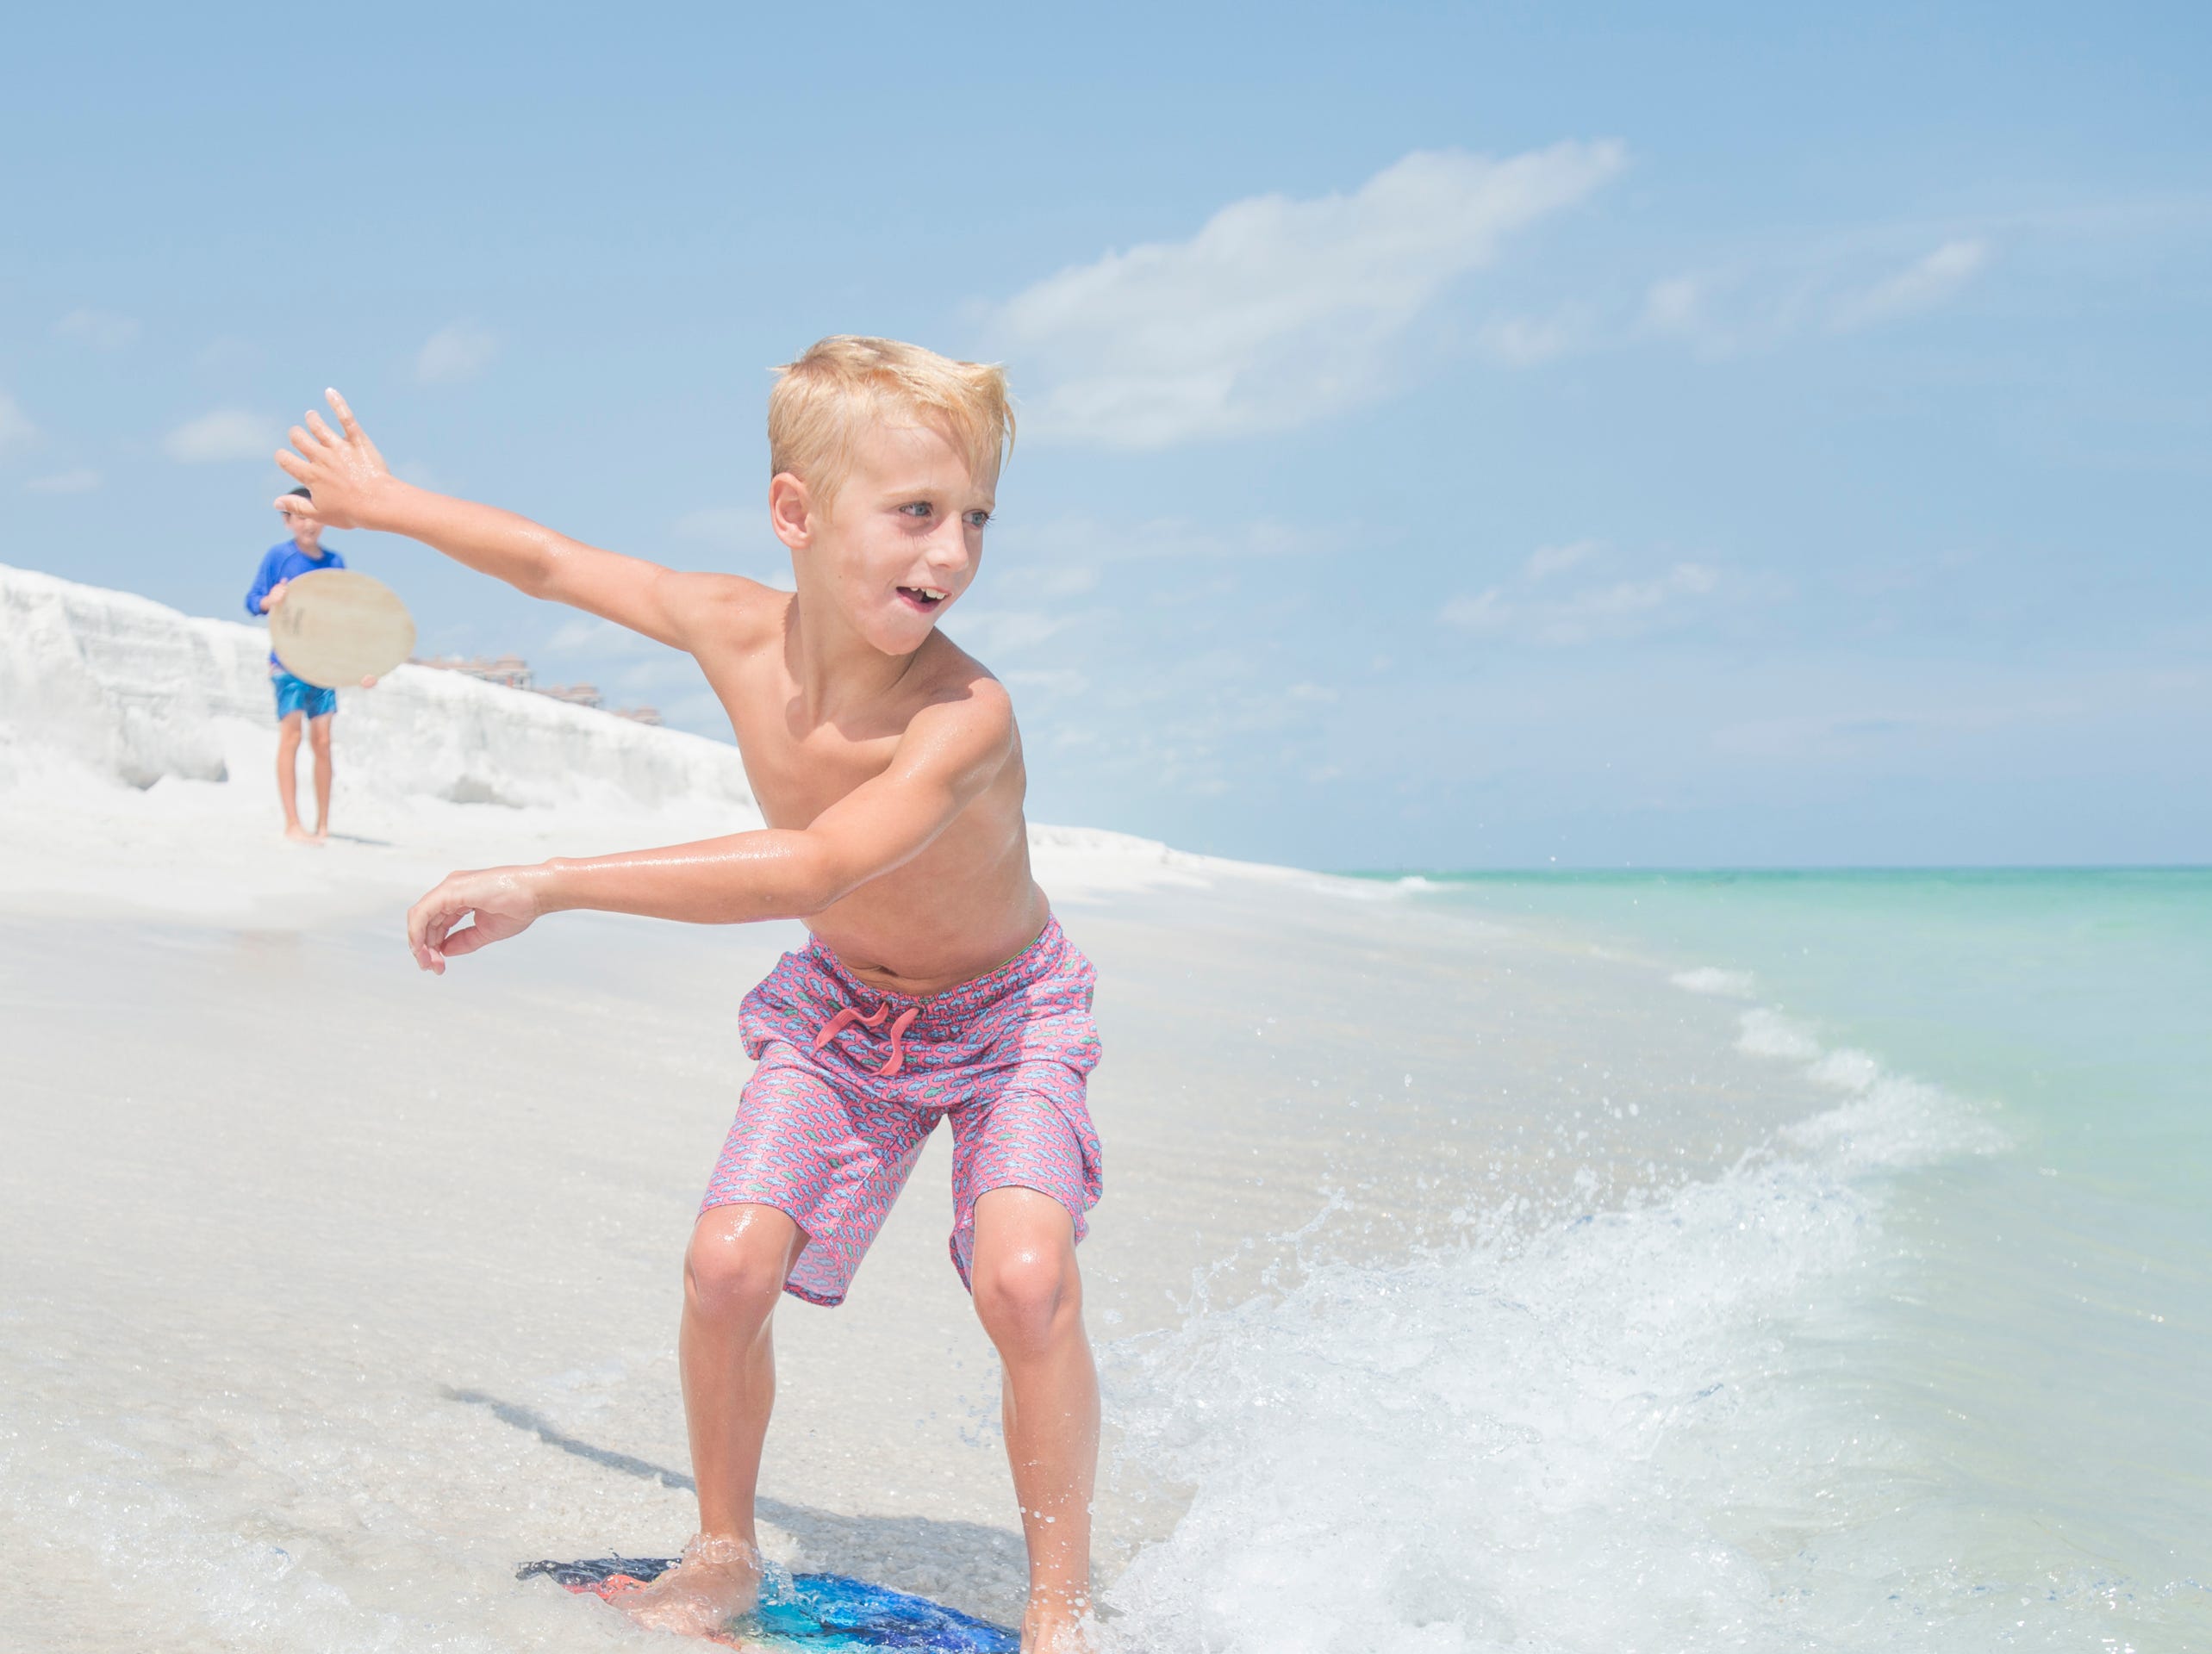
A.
pixel 1871 869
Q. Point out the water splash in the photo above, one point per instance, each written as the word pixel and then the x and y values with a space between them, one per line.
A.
pixel 1616 1430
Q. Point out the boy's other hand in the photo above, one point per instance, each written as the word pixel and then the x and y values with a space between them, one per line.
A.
pixel 503 899
pixel 342 469
pixel 273 596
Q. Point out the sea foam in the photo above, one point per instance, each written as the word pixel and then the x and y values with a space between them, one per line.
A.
pixel 1572 1430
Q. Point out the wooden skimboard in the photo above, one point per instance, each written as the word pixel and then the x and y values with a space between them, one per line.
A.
pixel 803 1610
pixel 335 627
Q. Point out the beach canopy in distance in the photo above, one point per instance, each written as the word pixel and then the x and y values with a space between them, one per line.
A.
pixel 336 627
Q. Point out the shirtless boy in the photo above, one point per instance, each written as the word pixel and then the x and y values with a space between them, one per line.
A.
pixel 936 983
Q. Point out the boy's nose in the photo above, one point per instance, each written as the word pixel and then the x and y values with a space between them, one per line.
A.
pixel 947 550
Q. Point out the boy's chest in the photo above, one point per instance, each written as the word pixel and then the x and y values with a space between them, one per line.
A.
pixel 799 769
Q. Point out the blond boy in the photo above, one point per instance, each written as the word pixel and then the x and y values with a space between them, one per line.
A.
pixel 937 984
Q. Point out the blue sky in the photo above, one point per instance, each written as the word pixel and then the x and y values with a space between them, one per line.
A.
pixel 1453 436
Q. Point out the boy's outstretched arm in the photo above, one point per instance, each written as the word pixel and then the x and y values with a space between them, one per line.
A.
pixel 353 488
pixel 949 754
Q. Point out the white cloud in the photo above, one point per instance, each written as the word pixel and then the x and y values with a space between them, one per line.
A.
pixel 455 354
pixel 100 329
pixel 226 434
pixel 1675 305
pixel 1061 681
pixel 1762 305
pixel 1003 632
pixel 1621 609
pixel 1486 611
pixel 15 426
pixel 1548 560
pixel 1526 341
pixel 1278 311
pixel 83 480
pixel 1064 580
pixel 229 355
pixel 586 631
pixel 1922 285
pixel 603 642
pixel 1086 541
pixel 422 475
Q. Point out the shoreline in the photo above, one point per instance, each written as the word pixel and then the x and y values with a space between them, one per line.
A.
pixel 517 1150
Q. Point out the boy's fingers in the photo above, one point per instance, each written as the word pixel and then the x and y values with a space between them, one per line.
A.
pixel 307 444
pixel 315 424
pixel 290 463
pixel 345 418
pixel 466 940
pixel 418 925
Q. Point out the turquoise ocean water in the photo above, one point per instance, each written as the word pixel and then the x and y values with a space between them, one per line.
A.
pixel 2045 1330
pixel 1928 1369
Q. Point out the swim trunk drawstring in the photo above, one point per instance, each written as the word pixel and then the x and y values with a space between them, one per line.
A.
pixel 851 1015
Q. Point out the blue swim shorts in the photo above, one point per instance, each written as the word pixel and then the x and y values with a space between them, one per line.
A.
pixel 298 696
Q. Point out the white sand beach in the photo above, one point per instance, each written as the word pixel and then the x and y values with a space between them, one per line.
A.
pixel 330 1292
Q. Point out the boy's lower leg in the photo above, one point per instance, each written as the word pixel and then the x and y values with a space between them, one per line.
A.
pixel 288 774
pixel 319 739
pixel 732 1275
pixel 1029 1297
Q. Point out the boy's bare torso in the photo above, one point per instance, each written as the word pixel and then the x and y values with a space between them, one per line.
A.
pixel 962 906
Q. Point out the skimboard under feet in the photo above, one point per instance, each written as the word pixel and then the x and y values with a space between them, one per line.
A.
pixel 803 1610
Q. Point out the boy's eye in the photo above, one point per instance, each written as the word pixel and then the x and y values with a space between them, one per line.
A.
pixel 916 508
pixel 979 518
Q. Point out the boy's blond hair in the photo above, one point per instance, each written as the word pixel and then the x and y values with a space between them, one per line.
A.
pixel 821 401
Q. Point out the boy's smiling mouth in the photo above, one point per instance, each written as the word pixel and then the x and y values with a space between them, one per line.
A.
pixel 923 598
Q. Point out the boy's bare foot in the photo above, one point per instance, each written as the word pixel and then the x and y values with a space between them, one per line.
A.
pixel 298 835
pixel 1054 1626
pixel 718 1580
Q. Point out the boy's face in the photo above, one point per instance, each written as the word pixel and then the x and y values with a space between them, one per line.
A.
pixel 306 536
pixel 903 536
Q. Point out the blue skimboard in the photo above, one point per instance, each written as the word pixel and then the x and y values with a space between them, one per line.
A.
pixel 803 1610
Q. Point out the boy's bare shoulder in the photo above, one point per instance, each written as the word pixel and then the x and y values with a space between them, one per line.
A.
pixel 957 698
pixel 725 613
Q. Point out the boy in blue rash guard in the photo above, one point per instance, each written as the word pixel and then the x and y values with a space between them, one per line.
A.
pixel 300 706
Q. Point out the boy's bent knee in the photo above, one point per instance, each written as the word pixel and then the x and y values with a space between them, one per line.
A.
pixel 736 1264
pixel 1025 1294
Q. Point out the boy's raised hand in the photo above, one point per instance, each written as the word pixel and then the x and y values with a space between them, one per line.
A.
pixel 342 468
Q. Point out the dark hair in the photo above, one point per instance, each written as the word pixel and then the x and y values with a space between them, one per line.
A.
pixel 299 493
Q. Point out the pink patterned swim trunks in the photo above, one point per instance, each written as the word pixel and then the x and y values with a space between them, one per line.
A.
pixel 852 1081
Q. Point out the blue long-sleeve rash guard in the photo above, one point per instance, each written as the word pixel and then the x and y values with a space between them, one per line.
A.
pixel 281 562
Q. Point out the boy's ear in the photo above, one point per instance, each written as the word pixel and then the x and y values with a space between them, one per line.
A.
pixel 790 512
